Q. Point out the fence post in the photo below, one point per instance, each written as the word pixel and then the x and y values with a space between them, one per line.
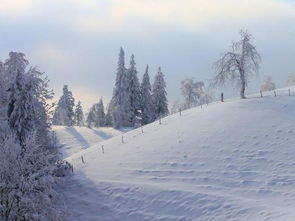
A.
pixel 122 139
pixel 141 130
pixel 102 149
pixel 82 159
pixel 221 97
pixel 275 93
pixel 72 168
pixel 289 92
pixel 179 111
pixel 261 93
pixel 160 122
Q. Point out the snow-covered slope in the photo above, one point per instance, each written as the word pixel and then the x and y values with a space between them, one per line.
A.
pixel 75 139
pixel 226 161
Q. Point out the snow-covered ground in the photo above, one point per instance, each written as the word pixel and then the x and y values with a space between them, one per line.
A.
pixel 226 161
pixel 75 139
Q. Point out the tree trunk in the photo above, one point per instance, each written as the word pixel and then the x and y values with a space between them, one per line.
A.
pixel 243 84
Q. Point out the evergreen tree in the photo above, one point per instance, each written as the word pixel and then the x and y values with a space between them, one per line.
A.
pixel 120 103
pixel 108 118
pixel 21 112
pixel 79 116
pixel 159 95
pixel 147 110
pixel 64 112
pixel 100 120
pixel 134 93
pixel 91 117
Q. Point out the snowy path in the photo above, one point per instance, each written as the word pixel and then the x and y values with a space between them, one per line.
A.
pixel 231 161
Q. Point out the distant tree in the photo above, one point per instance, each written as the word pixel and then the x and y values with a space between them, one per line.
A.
pixel 91 117
pixel 176 107
pixel 79 115
pixel 134 93
pixel 291 80
pixel 108 118
pixel 100 114
pixel 268 85
pixel 239 64
pixel 120 104
pixel 147 107
pixel 64 112
pixel 159 94
pixel 192 92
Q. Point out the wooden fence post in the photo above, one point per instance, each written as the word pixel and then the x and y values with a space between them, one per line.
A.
pixel 122 139
pixel 221 97
pixel 179 111
pixel 261 93
pixel 102 149
pixel 141 129
pixel 82 159
pixel 275 93
pixel 160 122
pixel 289 92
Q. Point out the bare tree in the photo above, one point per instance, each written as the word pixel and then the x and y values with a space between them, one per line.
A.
pixel 192 92
pixel 239 64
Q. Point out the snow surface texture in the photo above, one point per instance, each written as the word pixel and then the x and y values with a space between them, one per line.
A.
pixel 226 161
pixel 75 139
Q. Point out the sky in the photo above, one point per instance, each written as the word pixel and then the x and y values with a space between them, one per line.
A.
pixel 76 42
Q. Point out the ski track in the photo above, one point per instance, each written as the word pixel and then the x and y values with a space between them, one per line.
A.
pixel 229 161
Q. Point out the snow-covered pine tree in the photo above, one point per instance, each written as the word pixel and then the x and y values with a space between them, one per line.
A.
pixel 147 108
pixel 159 95
pixel 100 120
pixel 120 103
pixel 134 92
pixel 108 118
pixel 79 116
pixel 91 117
pixel 21 111
pixel 64 112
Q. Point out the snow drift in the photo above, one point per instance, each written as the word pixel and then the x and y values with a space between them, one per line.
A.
pixel 226 161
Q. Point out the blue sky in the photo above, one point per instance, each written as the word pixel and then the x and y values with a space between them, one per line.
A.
pixel 76 42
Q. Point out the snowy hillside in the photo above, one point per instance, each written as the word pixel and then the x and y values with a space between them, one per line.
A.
pixel 226 161
pixel 75 139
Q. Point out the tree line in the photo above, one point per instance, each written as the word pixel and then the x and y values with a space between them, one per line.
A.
pixel 132 104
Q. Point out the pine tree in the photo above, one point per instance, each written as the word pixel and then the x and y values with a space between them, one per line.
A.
pixel 108 118
pixel 159 95
pixel 100 120
pixel 120 103
pixel 21 112
pixel 147 110
pixel 91 117
pixel 134 92
pixel 79 116
pixel 64 112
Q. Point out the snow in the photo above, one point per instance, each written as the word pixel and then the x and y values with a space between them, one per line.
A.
pixel 75 139
pixel 225 161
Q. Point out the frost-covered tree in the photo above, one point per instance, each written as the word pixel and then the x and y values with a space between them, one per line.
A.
pixel 147 107
pixel 108 118
pixel 26 184
pixel 291 80
pixel 96 116
pixel 100 114
pixel 238 64
pixel 159 93
pixel 192 92
pixel 268 85
pixel 21 111
pixel 91 117
pixel 64 112
pixel 79 115
pixel 134 93
pixel 120 103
